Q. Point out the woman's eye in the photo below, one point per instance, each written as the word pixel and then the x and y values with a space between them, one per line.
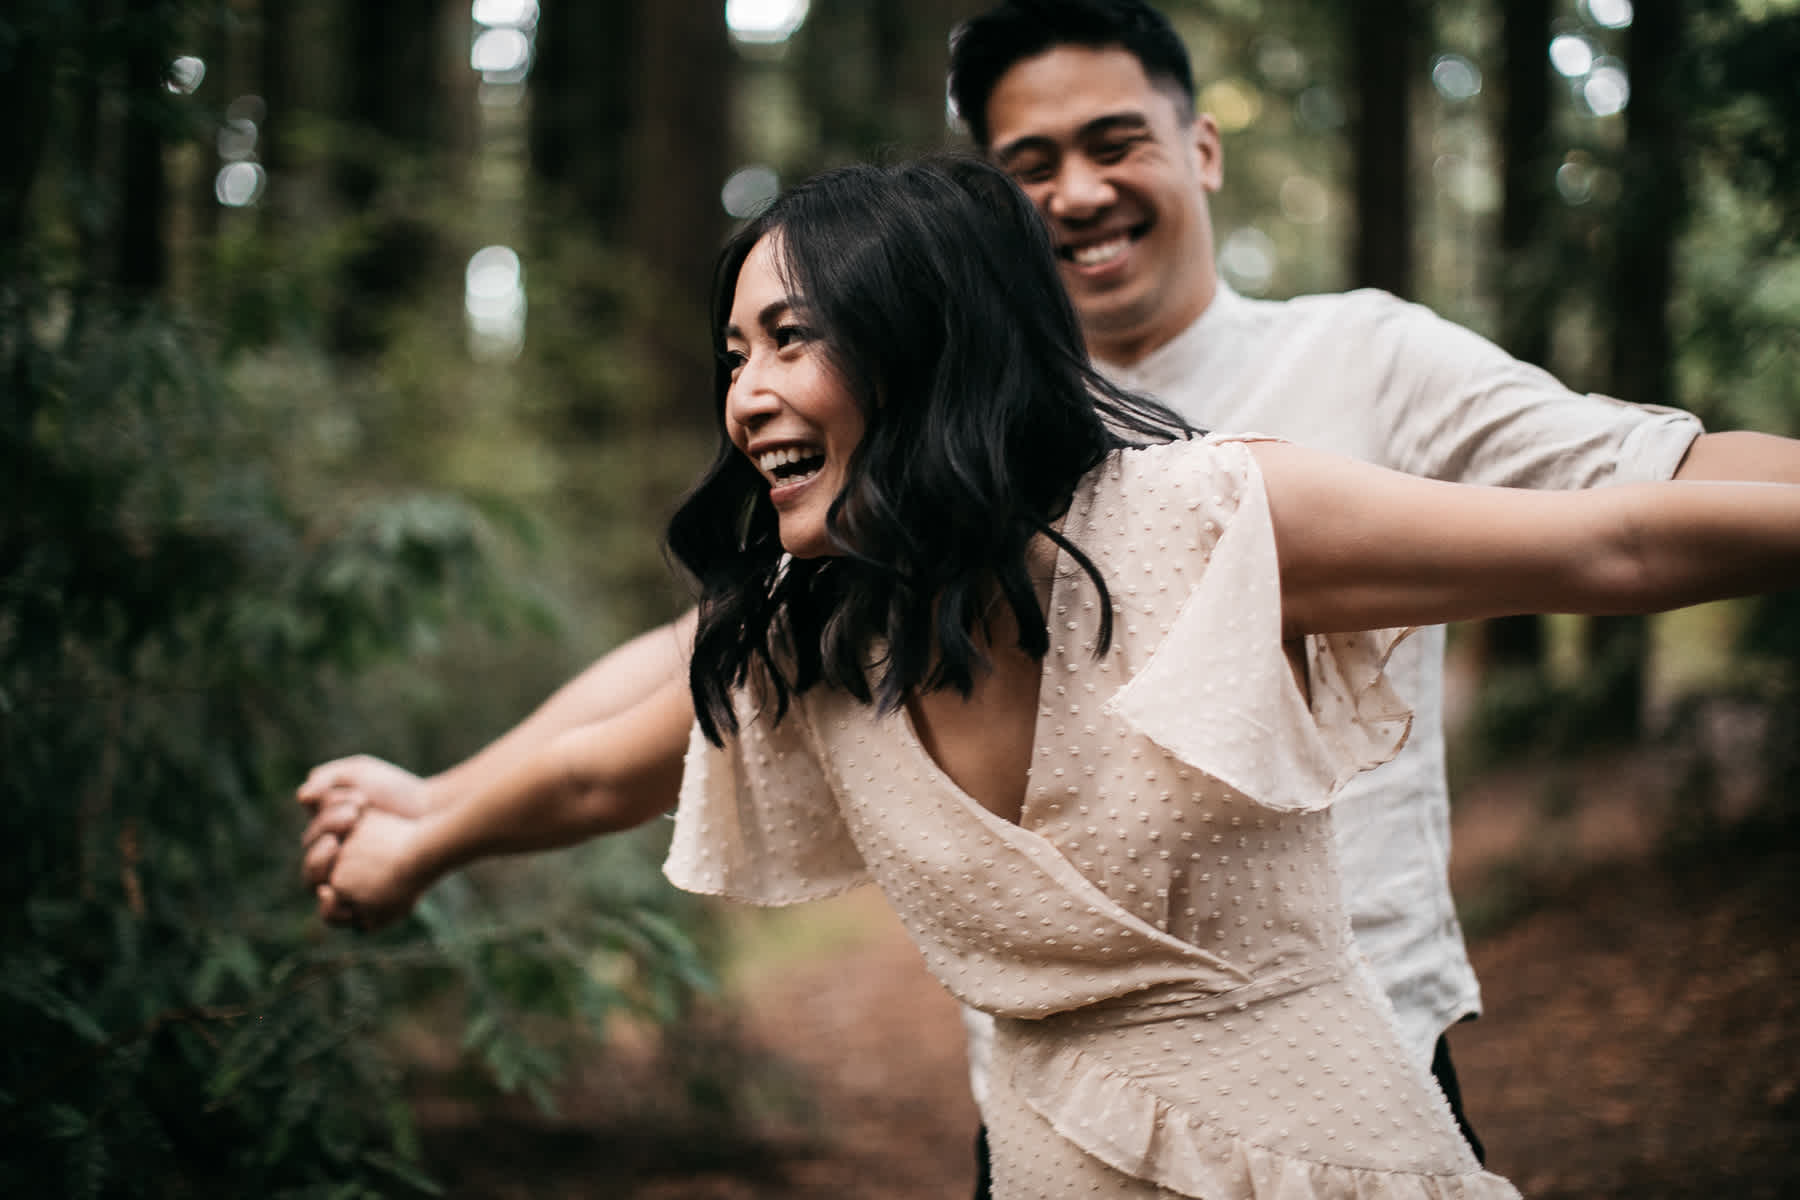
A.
pixel 733 360
pixel 790 335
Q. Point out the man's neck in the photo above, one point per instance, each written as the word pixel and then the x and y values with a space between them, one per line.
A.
pixel 1132 348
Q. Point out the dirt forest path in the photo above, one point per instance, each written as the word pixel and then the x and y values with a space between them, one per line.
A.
pixel 1642 1039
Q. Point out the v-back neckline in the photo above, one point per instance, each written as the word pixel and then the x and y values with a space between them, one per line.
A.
pixel 1050 598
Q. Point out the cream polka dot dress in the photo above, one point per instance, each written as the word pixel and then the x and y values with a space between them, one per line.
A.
pixel 1181 1011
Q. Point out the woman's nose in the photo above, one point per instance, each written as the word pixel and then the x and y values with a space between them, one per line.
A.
pixel 751 400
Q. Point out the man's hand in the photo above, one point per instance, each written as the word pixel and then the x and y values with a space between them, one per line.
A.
pixel 338 794
pixel 374 879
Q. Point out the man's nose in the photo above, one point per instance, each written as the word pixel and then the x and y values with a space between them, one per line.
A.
pixel 1080 190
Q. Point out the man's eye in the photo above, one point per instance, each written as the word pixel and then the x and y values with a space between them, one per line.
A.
pixel 1112 152
pixel 1030 173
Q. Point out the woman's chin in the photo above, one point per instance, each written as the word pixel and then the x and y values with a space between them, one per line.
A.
pixel 807 544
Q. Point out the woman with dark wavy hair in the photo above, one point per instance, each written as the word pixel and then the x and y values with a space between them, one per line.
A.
pixel 1072 686
pixel 933 299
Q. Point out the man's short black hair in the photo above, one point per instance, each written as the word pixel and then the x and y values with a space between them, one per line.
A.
pixel 985 47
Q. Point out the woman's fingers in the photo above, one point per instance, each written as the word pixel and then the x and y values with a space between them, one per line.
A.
pixel 335 908
pixel 320 857
pixel 337 818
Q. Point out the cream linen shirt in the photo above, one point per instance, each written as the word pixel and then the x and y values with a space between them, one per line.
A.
pixel 1371 376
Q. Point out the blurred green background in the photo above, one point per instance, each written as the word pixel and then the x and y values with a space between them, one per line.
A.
pixel 352 356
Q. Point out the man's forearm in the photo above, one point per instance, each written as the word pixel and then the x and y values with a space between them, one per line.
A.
pixel 1742 455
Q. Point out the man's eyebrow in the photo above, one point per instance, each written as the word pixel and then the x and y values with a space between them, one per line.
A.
pixel 1113 123
pixel 770 313
pixel 1130 120
pixel 1025 145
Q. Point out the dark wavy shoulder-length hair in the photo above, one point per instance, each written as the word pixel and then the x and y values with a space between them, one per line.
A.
pixel 932 287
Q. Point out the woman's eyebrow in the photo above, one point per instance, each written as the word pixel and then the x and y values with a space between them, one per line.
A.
pixel 771 312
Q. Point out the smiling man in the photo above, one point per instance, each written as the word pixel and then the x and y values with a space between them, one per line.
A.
pixel 1089 105
pixel 1116 163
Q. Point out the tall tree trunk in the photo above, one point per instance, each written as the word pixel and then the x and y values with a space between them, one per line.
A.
pixel 26 88
pixel 911 47
pixel 1382 40
pixel 1652 207
pixel 406 113
pixel 143 254
pixel 1527 271
pixel 281 104
pixel 680 151
pixel 874 75
pixel 581 107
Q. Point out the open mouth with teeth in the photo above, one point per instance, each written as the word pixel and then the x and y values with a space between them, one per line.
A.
pixel 791 464
pixel 1098 254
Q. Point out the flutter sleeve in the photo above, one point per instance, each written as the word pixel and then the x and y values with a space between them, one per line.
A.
pixel 1219 692
pixel 758 820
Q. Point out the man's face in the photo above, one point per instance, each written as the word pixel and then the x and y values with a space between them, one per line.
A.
pixel 1123 181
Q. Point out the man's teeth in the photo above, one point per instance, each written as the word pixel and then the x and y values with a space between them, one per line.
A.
pixel 1100 252
pixel 783 463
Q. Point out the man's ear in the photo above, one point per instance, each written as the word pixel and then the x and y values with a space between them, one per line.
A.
pixel 1209 151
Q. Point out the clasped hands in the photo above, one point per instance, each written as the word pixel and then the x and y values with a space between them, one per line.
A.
pixel 358 851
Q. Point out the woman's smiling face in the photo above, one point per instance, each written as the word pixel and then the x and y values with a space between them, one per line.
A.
pixel 787 409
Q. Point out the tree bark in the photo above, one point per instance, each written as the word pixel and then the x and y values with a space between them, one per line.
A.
pixel 143 255
pixel 581 108
pixel 403 112
pixel 1527 273
pixel 680 152
pixel 1652 208
pixel 1381 46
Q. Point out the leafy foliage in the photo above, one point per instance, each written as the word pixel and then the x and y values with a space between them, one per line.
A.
pixel 174 635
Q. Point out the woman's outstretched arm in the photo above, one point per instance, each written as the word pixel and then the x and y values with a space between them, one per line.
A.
pixel 1362 547
pixel 592 779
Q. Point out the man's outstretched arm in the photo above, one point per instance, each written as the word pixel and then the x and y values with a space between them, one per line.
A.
pixel 596 778
pixel 338 792
pixel 1742 455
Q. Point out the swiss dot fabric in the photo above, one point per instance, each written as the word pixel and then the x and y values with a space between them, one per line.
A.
pixel 1180 1010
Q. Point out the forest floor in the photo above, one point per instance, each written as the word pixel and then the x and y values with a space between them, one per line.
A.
pixel 1641 1036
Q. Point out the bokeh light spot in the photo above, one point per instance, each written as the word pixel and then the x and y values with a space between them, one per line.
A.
pixel 1304 200
pixel 1455 77
pixel 494 304
pixel 237 139
pixel 749 190
pixel 501 55
pixel 184 75
pixel 1610 14
pixel 1607 90
pixel 1319 108
pixel 239 184
pixel 1233 105
pixel 1247 257
pixel 505 14
pixel 765 22
pixel 1575 179
pixel 1571 54
pixel 1280 62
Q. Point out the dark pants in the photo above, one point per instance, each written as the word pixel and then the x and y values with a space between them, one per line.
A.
pixel 1442 1070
